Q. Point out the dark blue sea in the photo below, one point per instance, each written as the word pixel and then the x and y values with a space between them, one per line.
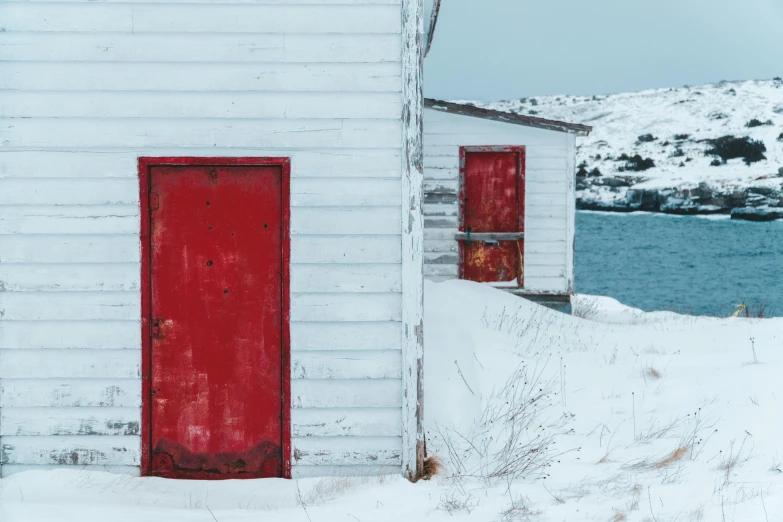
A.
pixel 693 265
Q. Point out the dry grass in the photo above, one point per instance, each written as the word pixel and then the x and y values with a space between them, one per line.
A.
pixel 674 456
pixel 619 517
pixel 652 373
pixel 452 503
pixel 432 466
pixel 330 488
pixel 519 510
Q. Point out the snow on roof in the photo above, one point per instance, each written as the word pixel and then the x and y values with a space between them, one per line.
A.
pixel 506 117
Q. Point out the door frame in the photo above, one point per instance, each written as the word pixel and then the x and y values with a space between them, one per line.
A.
pixel 145 164
pixel 520 150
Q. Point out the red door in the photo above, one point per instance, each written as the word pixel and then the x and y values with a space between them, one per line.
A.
pixel 492 213
pixel 216 382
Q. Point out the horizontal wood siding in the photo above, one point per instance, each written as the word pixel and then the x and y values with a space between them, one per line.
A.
pixel 88 87
pixel 549 180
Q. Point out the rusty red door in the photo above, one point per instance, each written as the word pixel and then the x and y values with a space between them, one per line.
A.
pixel 492 214
pixel 216 357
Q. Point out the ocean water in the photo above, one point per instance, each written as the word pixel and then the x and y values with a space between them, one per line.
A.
pixel 695 265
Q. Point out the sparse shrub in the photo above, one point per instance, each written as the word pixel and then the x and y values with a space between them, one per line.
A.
pixel 731 92
pixel 678 153
pixel 637 164
pixel 533 102
pixel 755 122
pixel 729 147
pixel 718 116
pixel 623 157
pixel 532 112
pixel 778 79
pixel 594 173
pixel 682 164
pixel 688 159
pixel 715 163
pixel 665 143
pixel 581 171
pixel 597 157
pixel 680 137
pixel 646 138
pixel 780 137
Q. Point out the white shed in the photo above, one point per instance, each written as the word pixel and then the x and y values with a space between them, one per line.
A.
pixel 211 236
pixel 499 200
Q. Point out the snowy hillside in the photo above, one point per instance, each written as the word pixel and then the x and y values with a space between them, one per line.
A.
pixel 673 129
pixel 619 415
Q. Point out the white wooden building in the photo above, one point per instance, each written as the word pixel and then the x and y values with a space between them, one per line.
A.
pixel 329 91
pixel 541 210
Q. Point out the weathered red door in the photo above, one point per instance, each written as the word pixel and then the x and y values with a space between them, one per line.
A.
pixel 216 357
pixel 492 213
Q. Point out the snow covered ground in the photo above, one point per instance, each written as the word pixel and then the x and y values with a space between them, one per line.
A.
pixel 616 416
pixel 678 120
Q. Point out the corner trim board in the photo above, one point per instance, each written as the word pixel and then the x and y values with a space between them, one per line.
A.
pixel 412 239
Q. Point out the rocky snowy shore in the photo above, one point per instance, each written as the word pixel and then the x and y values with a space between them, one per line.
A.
pixel 763 202
pixel 706 149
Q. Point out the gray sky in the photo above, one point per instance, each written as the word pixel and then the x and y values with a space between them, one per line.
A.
pixel 506 49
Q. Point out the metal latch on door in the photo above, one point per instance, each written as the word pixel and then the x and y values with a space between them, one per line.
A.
pixel 488 238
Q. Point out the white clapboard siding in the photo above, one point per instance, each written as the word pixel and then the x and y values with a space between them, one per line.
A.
pixel 48 364
pixel 67 421
pixel 97 219
pixel 225 18
pixel 107 335
pixel 84 191
pixel 535 283
pixel 346 422
pixel 203 47
pixel 343 278
pixel 118 76
pixel 345 307
pixel 452 271
pixel 344 220
pixel 441 245
pixel 346 451
pixel 345 336
pixel 351 364
pixel 350 393
pixel 76 306
pixel 544 260
pixel 139 133
pixel 70 393
pixel 88 87
pixel 43 248
pixel 70 277
pixel 10 469
pixel 311 162
pixel 340 249
pixel 75 450
pixel 306 192
pixel 125 191
pixel 240 105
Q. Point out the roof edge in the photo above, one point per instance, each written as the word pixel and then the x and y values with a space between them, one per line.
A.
pixel 506 117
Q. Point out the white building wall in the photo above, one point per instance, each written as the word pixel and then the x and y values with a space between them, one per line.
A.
pixel 549 196
pixel 87 87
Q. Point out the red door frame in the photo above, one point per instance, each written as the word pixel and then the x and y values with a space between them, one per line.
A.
pixel 145 165
pixel 521 158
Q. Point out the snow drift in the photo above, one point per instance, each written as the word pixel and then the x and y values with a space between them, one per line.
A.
pixel 624 416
